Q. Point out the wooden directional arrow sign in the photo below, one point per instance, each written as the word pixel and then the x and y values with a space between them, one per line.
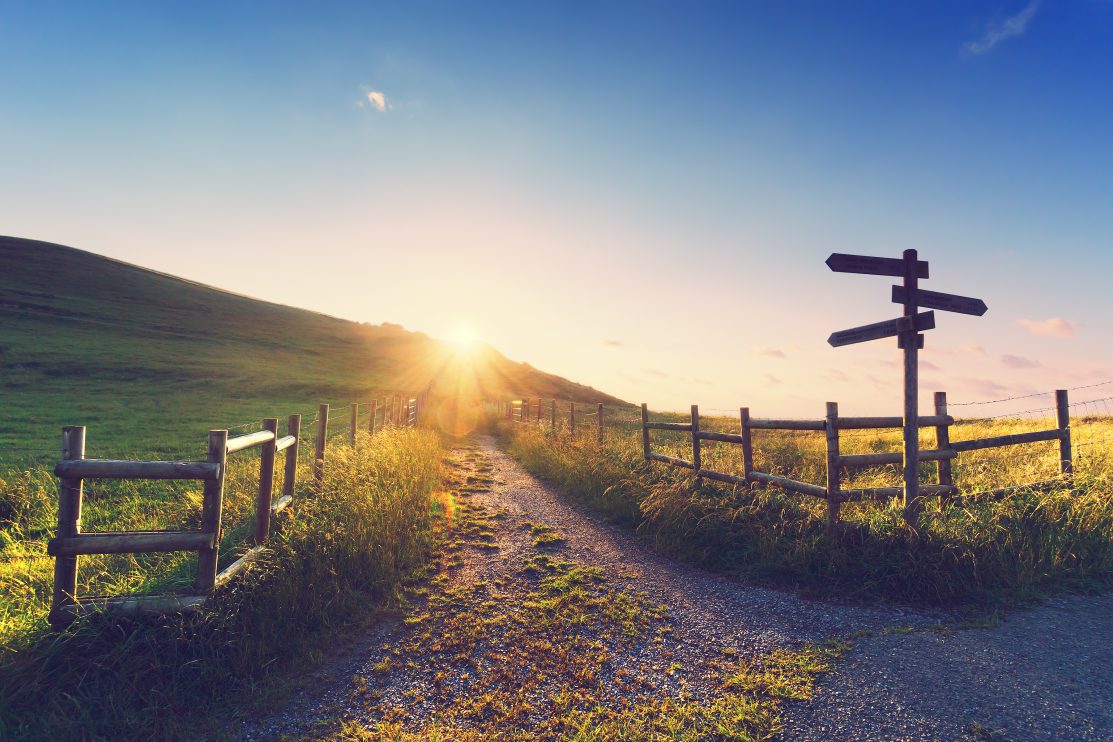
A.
pixel 888 328
pixel 843 263
pixel 939 300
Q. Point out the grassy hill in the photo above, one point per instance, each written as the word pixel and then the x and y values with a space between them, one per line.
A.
pixel 150 361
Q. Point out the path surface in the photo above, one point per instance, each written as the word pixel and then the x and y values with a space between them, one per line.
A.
pixel 536 600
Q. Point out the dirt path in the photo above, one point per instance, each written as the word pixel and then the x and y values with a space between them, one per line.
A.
pixel 538 621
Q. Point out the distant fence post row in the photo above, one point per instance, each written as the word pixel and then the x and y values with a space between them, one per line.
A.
pixel 74 468
pixel 832 491
pixel 519 411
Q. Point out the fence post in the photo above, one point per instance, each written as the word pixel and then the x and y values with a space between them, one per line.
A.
pixel 353 423
pixel 834 498
pixel 510 411
pixel 371 422
pixel 943 441
pixel 747 443
pixel 212 503
pixel 290 475
pixel 319 448
pixel 266 483
pixel 69 524
pixel 571 419
pixel 599 422
pixel 1062 413
pixel 552 418
pixel 696 463
pixel 645 431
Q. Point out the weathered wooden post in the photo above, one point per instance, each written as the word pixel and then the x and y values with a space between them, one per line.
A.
pixel 747 443
pixel 371 421
pixel 264 494
pixel 599 423
pixel 552 418
pixel 353 423
pixel 69 524
pixel 290 475
pixel 319 449
pixel 645 431
pixel 834 498
pixel 1062 413
pixel 696 463
pixel 212 503
pixel 943 442
pixel 571 419
pixel 910 342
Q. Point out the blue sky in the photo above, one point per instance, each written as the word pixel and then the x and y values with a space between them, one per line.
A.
pixel 636 195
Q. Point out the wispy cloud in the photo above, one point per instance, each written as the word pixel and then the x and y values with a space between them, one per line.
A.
pixel 769 352
pixel 375 99
pixel 834 374
pixel 613 343
pixel 771 379
pixel 1051 327
pixel 1012 26
pixel 1018 361
pixel 657 373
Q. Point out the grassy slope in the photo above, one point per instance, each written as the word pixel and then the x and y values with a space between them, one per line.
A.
pixel 150 362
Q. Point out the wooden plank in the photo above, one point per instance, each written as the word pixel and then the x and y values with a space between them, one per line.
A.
pixel 290 473
pixel 109 469
pixel 941 301
pixel 747 442
pixel 133 605
pixel 244 442
pixel 888 493
pixel 883 329
pixel 722 437
pixel 69 526
pixel 129 542
pixel 669 426
pixel 266 482
pixel 943 442
pixel 868 264
pixel 284 442
pixel 866 423
pixel 696 459
pixel 1005 440
pixel 910 345
pixel 831 428
pixel 892 457
pixel 371 419
pixel 671 460
pixel 760 424
pixel 236 568
pixel 789 484
pixel 1062 414
pixel 212 506
pixel 720 477
pixel 645 431
pixel 1046 485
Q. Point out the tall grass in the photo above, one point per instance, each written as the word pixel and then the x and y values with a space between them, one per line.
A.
pixel 974 552
pixel 332 563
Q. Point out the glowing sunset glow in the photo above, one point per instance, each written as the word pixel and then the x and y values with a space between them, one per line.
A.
pixel 647 212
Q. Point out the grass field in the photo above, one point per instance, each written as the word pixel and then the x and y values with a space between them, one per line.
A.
pixel 973 552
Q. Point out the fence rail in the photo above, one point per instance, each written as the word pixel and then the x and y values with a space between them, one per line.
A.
pixel 832 491
pixel 70 542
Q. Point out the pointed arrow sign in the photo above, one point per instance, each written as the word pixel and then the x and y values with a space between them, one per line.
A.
pixel 939 300
pixel 844 263
pixel 888 328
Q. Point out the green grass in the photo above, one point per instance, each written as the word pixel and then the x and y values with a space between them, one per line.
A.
pixel 332 564
pixel 975 553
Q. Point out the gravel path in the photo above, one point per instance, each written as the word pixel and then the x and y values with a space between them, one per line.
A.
pixel 1043 674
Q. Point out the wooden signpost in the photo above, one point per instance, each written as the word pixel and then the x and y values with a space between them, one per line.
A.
pixel 907 330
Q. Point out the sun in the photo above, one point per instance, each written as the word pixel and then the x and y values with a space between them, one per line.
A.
pixel 465 337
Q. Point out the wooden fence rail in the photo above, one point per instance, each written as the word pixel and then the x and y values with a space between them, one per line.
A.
pixel 70 542
pixel 832 491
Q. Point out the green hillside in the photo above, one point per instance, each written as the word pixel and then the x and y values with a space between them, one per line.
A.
pixel 150 361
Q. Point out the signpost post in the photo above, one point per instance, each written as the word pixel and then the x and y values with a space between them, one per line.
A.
pixel 907 330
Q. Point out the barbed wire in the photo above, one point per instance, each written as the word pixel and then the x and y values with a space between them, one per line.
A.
pixel 1027 396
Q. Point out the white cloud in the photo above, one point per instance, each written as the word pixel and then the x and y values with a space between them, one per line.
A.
pixel 1051 327
pixel 1012 26
pixel 769 352
pixel 378 99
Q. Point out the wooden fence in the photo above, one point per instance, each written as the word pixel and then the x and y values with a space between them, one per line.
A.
pixel 71 542
pixel 943 454
pixel 539 411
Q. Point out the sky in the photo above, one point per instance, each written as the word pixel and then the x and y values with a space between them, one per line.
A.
pixel 639 196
